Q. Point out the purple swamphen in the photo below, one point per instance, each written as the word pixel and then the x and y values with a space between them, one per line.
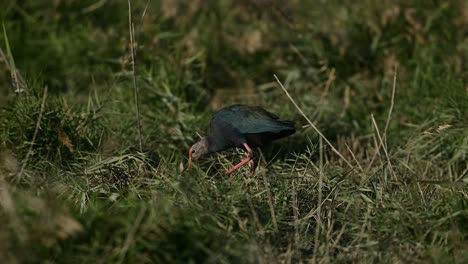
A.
pixel 241 126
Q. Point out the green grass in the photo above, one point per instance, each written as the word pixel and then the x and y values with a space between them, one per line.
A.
pixel 85 193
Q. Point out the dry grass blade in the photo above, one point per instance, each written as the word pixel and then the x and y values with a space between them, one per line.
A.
pixel 270 203
pixel 295 209
pixel 362 233
pixel 140 29
pixel 135 88
pixel 354 157
pixel 383 146
pixel 131 234
pixel 319 206
pixel 18 81
pixel 260 229
pixel 331 78
pixel 312 124
pixel 387 123
pixel 390 110
pixel 299 54
pixel 36 130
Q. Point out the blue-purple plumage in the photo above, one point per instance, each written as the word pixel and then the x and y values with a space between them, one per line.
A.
pixel 241 126
pixel 237 124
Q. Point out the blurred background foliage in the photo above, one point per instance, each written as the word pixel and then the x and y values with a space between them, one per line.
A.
pixel 84 192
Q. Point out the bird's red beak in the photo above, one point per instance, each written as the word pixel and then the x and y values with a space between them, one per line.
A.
pixel 189 165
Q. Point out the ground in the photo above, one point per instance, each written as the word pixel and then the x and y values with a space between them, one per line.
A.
pixel 88 175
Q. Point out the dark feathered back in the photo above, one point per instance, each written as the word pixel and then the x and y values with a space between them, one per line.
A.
pixel 252 120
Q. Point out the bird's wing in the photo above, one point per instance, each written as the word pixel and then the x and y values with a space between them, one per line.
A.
pixel 251 120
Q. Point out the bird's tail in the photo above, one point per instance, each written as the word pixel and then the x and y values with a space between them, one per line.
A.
pixel 287 123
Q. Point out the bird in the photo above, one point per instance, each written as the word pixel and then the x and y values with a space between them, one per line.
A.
pixel 241 126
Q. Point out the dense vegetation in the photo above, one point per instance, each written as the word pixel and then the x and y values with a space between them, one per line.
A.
pixel 77 187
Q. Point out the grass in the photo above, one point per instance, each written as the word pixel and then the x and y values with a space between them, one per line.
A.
pixel 75 185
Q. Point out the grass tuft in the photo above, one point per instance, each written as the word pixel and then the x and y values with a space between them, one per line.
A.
pixel 376 172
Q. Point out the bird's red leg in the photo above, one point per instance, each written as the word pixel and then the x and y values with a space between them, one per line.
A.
pixel 244 161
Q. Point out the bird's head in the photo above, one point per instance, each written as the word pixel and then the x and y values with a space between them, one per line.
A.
pixel 197 150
